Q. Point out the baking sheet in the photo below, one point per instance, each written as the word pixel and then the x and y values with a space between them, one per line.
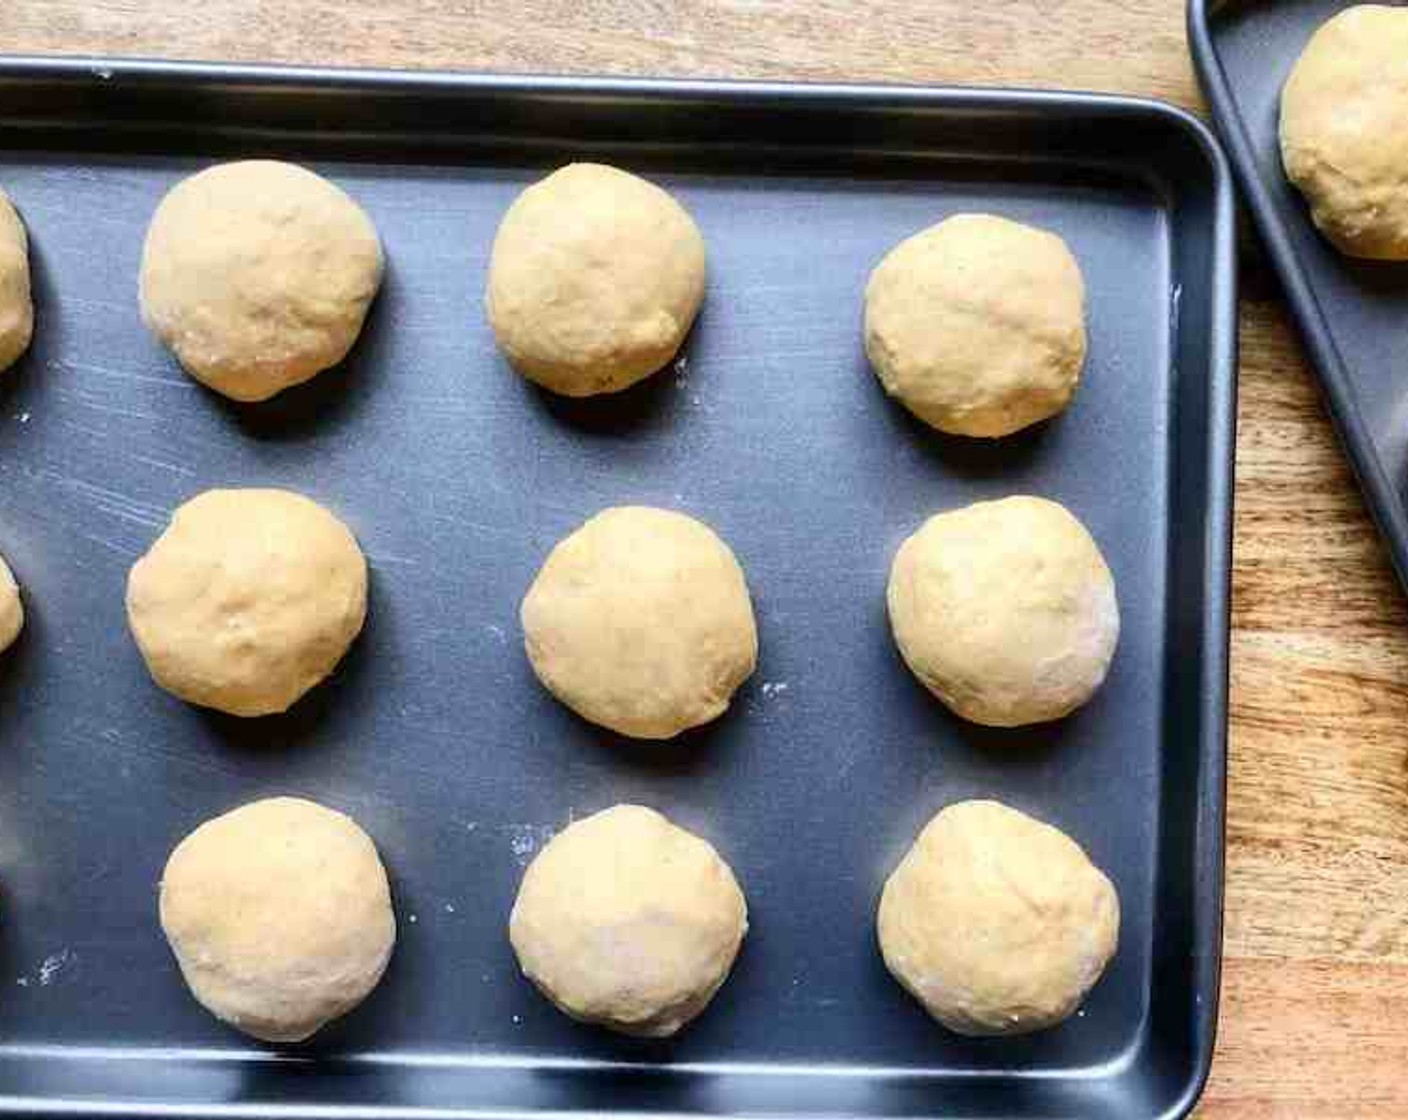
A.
pixel 458 477
pixel 1353 315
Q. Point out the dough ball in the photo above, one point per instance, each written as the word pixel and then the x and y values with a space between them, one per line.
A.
pixel 16 305
pixel 1005 611
pixel 641 621
pixel 977 325
pixel 279 914
pixel 595 280
pixel 995 922
pixel 1344 130
pixel 11 607
pixel 258 275
pixel 629 921
pixel 248 600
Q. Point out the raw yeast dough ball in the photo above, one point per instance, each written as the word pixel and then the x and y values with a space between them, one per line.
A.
pixel 595 280
pixel 279 914
pixel 977 325
pixel 258 275
pixel 629 921
pixel 16 306
pixel 995 922
pixel 1005 610
pixel 11 607
pixel 1344 130
pixel 248 600
pixel 641 621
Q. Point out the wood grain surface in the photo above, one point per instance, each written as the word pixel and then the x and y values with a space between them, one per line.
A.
pixel 1315 993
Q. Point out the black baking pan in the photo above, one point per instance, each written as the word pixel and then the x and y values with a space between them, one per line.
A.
pixel 458 477
pixel 1353 315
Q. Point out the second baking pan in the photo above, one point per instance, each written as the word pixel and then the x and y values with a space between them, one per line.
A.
pixel 1353 315
pixel 457 477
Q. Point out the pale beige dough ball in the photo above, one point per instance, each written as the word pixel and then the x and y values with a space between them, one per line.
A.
pixel 629 921
pixel 595 279
pixel 641 621
pixel 279 914
pixel 11 607
pixel 995 922
pixel 258 275
pixel 977 325
pixel 1344 130
pixel 248 600
pixel 16 304
pixel 1005 610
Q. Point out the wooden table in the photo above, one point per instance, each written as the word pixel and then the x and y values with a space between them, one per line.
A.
pixel 1315 989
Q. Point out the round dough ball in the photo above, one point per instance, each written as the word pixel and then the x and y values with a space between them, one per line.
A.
pixel 995 922
pixel 16 305
pixel 257 275
pixel 1005 610
pixel 248 600
pixel 629 921
pixel 279 914
pixel 1344 130
pixel 595 280
pixel 11 607
pixel 977 325
pixel 641 621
